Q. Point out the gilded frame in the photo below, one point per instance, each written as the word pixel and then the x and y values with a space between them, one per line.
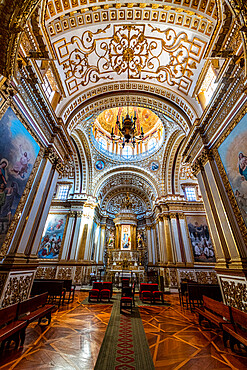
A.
pixel 190 243
pixel 44 260
pixel 6 244
pixel 223 174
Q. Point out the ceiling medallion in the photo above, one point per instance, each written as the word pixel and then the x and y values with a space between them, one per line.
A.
pixel 99 165
pixel 154 165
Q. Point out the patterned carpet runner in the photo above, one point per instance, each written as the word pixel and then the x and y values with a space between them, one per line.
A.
pixel 125 346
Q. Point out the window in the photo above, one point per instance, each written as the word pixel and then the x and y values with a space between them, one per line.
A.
pixel 102 143
pixel 47 87
pixel 127 151
pixel 62 192
pixel 152 144
pixel 190 193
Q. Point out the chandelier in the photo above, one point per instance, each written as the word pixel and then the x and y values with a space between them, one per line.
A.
pixel 127 128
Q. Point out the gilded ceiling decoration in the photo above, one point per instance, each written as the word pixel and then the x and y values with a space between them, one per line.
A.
pixel 164 56
pixel 57 8
pixel 145 118
pixel 115 204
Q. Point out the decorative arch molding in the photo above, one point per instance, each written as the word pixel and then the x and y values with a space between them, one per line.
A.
pixel 168 160
pixel 139 194
pixel 86 160
pixel 127 176
pixel 92 106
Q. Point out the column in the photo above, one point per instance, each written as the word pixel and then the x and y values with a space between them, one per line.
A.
pixel 235 245
pixel 69 236
pixel 176 244
pixel 149 242
pixel 102 244
pixel 186 243
pixel 76 236
pixel 163 256
pixel 221 252
pixel 168 240
pixel 153 245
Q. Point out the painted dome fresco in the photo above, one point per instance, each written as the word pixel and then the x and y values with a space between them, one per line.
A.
pixel 148 124
pixel 145 118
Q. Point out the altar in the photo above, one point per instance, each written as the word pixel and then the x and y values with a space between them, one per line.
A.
pixel 126 252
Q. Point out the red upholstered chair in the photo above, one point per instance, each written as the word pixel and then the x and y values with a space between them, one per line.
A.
pixel 95 292
pixel 147 295
pixel 158 296
pixel 107 286
pixel 126 300
pixel 105 294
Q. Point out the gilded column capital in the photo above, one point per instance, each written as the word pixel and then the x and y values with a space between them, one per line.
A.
pixel 181 216
pixel 198 165
pixel 72 214
pixel 173 215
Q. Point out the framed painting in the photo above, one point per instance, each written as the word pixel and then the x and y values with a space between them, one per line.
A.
pixel 202 247
pixel 18 153
pixel 125 238
pixel 52 237
pixel 233 155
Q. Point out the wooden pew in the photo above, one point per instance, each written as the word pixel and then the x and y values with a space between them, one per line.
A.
pixel 35 309
pixel 197 291
pixel 213 311
pixel 10 327
pixel 236 331
pixel 67 284
pixel 54 288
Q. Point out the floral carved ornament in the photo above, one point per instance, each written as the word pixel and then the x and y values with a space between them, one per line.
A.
pixel 147 52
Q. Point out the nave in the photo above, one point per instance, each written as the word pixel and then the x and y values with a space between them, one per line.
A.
pixel 74 337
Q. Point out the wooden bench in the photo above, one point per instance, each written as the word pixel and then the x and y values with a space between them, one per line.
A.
pixel 10 327
pixel 55 289
pixel 213 311
pixel 197 291
pixel 236 331
pixel 68 286
pixel 35 308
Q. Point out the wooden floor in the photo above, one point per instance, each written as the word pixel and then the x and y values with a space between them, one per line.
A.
pixel 73 340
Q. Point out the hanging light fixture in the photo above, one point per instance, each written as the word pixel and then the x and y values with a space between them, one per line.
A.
pixel 127 128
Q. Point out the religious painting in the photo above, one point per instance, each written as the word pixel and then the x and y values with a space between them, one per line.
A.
pixel 99 165
pixel 125 237
pixel 52 236
pixel 202 246
pixel 233 154
pixel 18 152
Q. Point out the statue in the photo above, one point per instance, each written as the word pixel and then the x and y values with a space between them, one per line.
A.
pixel 126 203
pixel 111 240
pixel 140 240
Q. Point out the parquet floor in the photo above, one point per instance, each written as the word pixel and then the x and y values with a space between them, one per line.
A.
pixel 73 340
pixel 176 341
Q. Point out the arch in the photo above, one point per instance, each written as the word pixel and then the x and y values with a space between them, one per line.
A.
pixel 168 159
pixel 85 175
pixel 161 106
pixel 126 176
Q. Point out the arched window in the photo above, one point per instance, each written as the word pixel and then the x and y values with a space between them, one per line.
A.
pixel 102 143
pixel 127 151
pixel 152 144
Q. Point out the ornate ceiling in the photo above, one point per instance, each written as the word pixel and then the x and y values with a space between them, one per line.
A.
pixel 162 44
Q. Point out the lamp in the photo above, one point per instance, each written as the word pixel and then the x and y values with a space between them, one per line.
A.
pixel 127 129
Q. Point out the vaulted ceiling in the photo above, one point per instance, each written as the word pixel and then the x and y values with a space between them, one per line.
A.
pixel 161 43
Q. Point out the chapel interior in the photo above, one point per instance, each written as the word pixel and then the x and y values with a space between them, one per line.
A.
pixel 123 155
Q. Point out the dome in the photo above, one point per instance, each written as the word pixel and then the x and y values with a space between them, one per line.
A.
pixel 146 120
